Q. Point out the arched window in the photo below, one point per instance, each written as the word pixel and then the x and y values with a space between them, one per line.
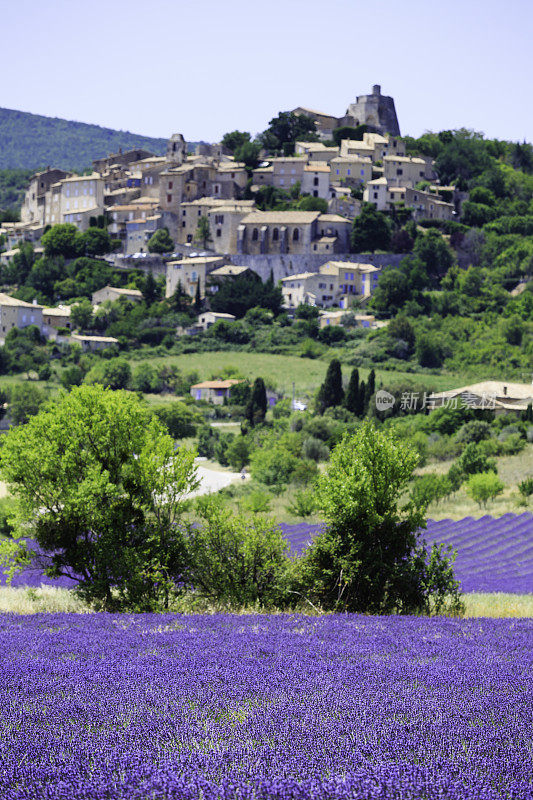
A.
pixel 255 235
pixel 275 234
pixel 295 235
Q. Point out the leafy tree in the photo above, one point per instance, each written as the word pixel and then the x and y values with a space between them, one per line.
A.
pixel 257 405
pixel 63 240
pixel 484 486
pixel 180 300
pixel 370 389
pixel 248 154
pixel 96 242
pixel 474 460
pixel 112 374
pixel 235 139
pixel 234 558
pixel 145 379
pixel 392 291
pixel 101 489
pixel 25 402
pixel 370 231
pixel 369 558
pixel 238 452
pixel 203 232
pixel 348 132
pixel 331 393
pixel 71 376
pixel 285 130
pixel 161 242
pixel 81 315
pixel 434 253
pixel 273 464
pixel 180 420
pixel 429 350
pixel 309 203
pixel 244 292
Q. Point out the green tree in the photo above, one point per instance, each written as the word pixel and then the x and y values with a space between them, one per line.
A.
pixel 256 407
pixel 484 486
pixel 371 230
pixel 235 139
pixel 309 203
pixel 248 154
pixel 198 298
pixel 101 489
pixel 151 291
pixel 112 374
pixel 203 232
pixel 434 253
pixel 235 558
pixel 81 315
pixel 180 420
pixel 63 240
pixel 351 399
pixel 474 460
pixel 161 242
pixel 96 242
pixel 348 132
pixel 238 452
pixel 285 130
pixel 331 393
pixel 369 558
pixel 370 389
pixel 25 402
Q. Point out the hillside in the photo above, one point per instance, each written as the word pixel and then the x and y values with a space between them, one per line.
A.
pixel 30 141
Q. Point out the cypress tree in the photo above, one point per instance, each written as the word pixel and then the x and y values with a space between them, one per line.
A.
pixel 369 390
pixel 198 298
pixel 331 392
pixel 361 400
pixel 352 394
pixel 257 405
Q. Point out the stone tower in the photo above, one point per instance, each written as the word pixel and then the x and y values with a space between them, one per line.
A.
pixel 176 150
pixel 375 110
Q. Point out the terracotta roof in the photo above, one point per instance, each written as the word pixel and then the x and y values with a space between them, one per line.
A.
pixel 216 384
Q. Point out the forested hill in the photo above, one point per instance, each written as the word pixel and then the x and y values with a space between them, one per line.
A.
pixel 30 141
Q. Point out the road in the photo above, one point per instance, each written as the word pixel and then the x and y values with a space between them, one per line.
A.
pixel 212 480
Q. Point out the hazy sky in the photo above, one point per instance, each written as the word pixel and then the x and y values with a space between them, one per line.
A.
pixel 202 68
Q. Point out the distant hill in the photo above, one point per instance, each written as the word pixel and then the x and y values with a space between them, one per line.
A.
pixel 30 141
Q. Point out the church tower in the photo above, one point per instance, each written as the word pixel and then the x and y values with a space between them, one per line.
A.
pixel 176 150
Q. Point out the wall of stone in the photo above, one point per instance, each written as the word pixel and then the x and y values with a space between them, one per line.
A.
pixel 290 264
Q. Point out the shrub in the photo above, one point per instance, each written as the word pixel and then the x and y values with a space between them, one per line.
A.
pixel 314 449
pixel 484 486
pixel 273 465
pixel 235 558
pixel 473 460
pixel 526 487
pixel 303 503
pixel 257 502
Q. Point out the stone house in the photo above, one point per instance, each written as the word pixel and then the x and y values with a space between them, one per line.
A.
pixel 55 318
pixel 113 293
pixel 18 314
pixel 424 205
pixel 223 215
pixel 188 271
pixel 407 170
pixel 316 151
pixel 36 204
pixel 500 396
pixel 316 180
pixel 350 170
pixel 92 343
pixel 213 391
pixel 208 318
pixel 140 209
pixel 139 232
pixel 336 283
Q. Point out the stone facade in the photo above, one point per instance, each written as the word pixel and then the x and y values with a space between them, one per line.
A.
pixel 298 232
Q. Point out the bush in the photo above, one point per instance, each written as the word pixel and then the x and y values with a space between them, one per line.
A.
pixel 273 465
pixel 429 489
pixel 257 502
pixel 526 487
pixel 234 558
pixel 180 420
pixel 303 503
pixel 484 486
pixel 369 558
pixel 314 449
pixel 473 460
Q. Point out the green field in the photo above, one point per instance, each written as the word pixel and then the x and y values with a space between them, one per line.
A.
pixel 282 370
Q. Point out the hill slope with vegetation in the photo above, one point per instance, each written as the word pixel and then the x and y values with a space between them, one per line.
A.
pixel 31 141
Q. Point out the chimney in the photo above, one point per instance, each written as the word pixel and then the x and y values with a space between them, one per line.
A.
pixel 505 390
pixel 376 89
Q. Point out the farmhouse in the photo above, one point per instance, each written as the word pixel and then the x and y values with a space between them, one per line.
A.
pixel 213 391
pixel 501 396
pixel 114 293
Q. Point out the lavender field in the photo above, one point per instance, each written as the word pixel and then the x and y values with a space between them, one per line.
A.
pixel 152 707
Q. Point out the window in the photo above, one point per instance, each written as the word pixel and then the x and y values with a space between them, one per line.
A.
pixel 67 192
pixel 169 198
pixel 421 174
pixel 337 172
pixel 399 171
pixel 216 188
pixel 184 213
pixel 219 231
pixel 255 235
pixel 90 189
pixel 275 234
pixel 182 224
pixel 295 235
pixel 362 173
pixel 293 172
pixel 282 171
pixel 281 181
pixel 315 193
pixel 170 184
pixel 84 190
pixel 315 181
pixel 375 195
pixel 348 172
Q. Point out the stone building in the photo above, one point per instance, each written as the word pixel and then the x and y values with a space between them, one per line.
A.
pixel 298 232
pixel 18 314
pixel 375 110
pixel 36 204
pixel 424 205
pixel 224 217
pixel 407 170
pixel 336 283
pixel 188 271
